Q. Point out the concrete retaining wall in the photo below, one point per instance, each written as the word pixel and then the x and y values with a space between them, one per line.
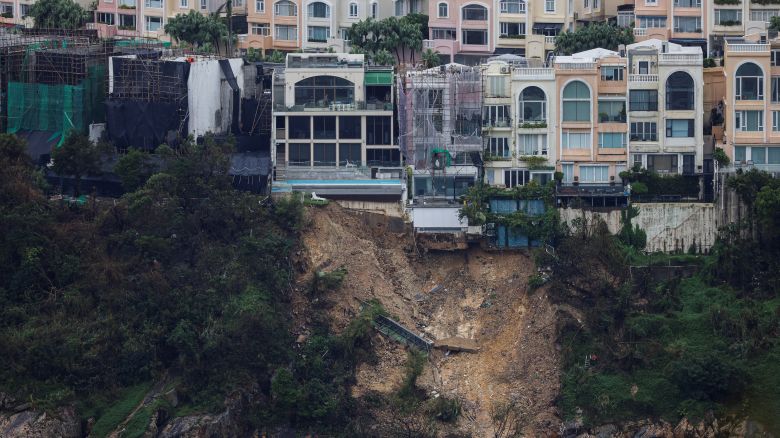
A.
pixel 392 209
pixel 669 226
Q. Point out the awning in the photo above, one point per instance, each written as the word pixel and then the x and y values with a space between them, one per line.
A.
pixel 541 27
pixel 379 78
pixel 509 51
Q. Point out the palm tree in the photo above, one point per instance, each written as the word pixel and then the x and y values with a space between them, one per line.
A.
pixel 431 58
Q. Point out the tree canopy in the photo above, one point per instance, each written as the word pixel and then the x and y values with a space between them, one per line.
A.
pixel 602 35
pixel 58 14
pixel 76 157
pixel 200 30
pixel 396 36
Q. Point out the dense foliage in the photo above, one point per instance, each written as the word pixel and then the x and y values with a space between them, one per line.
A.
pixel 58 14
pixel 201 31
pixel 381 39
pixel 593 36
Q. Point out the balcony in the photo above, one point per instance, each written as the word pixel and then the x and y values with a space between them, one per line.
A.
pixel 645 79
pixel 530 74
pixel 549 40
pixel 334 106
pixel 587 66
pixel 510 7
pixel 503 122
pixel 745 47
pixel 640 31
pixel 126 4
pixel 680 59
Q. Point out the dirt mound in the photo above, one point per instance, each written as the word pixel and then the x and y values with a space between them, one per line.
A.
pixel 470 294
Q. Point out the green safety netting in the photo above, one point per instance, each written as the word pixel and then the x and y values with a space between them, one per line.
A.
pixel 57 108
pixel 444 152
pixel 140 42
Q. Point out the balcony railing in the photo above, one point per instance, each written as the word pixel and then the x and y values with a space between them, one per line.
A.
pixel 640 31
pixel 643 78
pixel 549 40
pixel 680 59
pixel 576 65
pixel 504 122
pixel 747 48
pixel 512 7
pixel 126 4
pixel 533 73
pixel 333 106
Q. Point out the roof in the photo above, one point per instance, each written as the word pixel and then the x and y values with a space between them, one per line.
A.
pixel 657 44
pixel 587 56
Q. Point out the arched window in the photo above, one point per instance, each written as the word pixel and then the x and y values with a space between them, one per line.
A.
pixel 285 8
pixel 353 10
pixel 319 10
pixel 750 82
pixel 444 10
pixel 679 91
pixel 533 105
pixel 374 10
pixel 576 102
pixel 321 91
pixel 474 13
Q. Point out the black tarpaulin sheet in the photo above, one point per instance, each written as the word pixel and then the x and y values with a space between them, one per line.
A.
pixel 143 125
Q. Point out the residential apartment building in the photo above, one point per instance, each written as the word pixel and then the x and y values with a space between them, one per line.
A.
pixel 334 126
pixel 752 102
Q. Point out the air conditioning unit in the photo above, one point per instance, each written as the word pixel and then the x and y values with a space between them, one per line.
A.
pixel 505 69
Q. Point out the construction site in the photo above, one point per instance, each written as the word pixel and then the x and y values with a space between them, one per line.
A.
pixel 439 118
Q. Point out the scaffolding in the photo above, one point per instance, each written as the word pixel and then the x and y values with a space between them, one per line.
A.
pixel 440 113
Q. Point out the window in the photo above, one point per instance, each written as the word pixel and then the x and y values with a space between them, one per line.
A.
pixel 324 154
pixel 497 86
pixel 576 102
pixel 687 24
pixel 184 3
pixel 687 3
pixel 153 24
pixel 238 3
pixel 474 13
pixel 775 89
pixel 261 29
pixel 349 154
pixel 775 120
pixel 644 131
pixel 549 5
pixel 764 15
pixel 516 177
pixel 750 82
pixel 299 154
pixel 127 21
pixel 576 140
pixel 286 33
pixel 511 29
pixel 773 155
pixel 643 100
pixel 383 157
pixel 774 56
pixel 374 8
pixel 679 128
pixel 318 34
pixel 749 121
pixel 105 18
pixel 612 140
pixel 325 127
pixel 512 7
pixel 728 17
pixel 157 4
pixel 498 147
pixel 24 10
pixel 740 153
pixel 285 8
pixel 612 73
pixel 399 8
pixel 586 4
pixel 444 10
pixel 318 10
pixel 321 91
pixel 259 6
pixel 662 163
pixel 443 34
pixel 204 4
pixel 758 155
pixel 350 127
pixel 496 115
pixel 651 22
pixel 475 37
pixel 594 174
pixel 568 172
pixel 532 144
pixel 533 105
pixel 378 130
pixel 679 91
pixel 611 111
pixel 300 127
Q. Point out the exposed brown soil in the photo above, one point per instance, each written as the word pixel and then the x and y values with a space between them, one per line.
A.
pixel 482 295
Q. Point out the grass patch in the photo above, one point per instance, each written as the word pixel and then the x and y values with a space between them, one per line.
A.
pixel 109 414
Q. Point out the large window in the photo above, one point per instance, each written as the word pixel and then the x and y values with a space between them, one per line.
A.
pixel 750 82
pixel 750 121
pixel 679 91
pixel 666 163
pixel 127 21
pixel 153 24
pixel 512 6
pixel 576 102
pixel 728 17
pixel 612 139
pixel 594 174
pixel 300 127
pixel 286 33
pixel 549 6
pixel 533 105
pixel 443 34
pixel 321 91
pixel 687 24
pixel 475 36
pixel 318 10
pixel 105 17
pixel 383 157
pixel 612 111
pixel 497 86
pixel 532 144
pixel 285 8
pixel 475 13
pixel 687 3
pixel 318 34
pixel 511 29
pixel 349 128
pixel 324 154
pixel 498 147
pixel 679 128
pixel 775 89
pixel 349 154
pixel 444 10
pixel 651 22
pixel 325 127
pixel 378 130
pixel 643 100
pixel 261 29
pixel 259 6
pixel 576 140
pixel 612 73
pixel 353 10
pixel 644 131
pixel 299 154
pixel 496 115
